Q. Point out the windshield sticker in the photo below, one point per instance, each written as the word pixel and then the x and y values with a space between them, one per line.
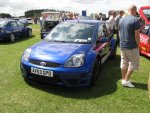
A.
pixel 80 40
pixel 89 38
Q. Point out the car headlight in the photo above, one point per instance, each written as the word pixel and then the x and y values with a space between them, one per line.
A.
pixel 26 54
pixel 75 61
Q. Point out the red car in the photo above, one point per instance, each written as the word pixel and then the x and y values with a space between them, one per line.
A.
pixel 145 31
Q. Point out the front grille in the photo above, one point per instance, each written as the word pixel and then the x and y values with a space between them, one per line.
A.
pixel 47 64
pixel 83 81
pixel 83 75
pixel 73 81
pixel 46 80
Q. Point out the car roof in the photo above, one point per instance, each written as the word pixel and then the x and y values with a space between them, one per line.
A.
pixel 87 21
pixel 8 20
pixel 12 20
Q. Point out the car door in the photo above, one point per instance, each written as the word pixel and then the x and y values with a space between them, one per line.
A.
pixel 102 46
pixel 145 39
pixel 15 28
pixel 22 28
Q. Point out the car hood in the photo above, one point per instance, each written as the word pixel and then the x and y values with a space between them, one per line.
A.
pixel 143 15
pixel 56 51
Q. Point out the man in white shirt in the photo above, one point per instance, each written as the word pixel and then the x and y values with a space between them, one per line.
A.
pixel 41 20
pixel 112 22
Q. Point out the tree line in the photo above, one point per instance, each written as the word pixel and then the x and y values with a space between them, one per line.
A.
pixel 30 13
pixel 5 15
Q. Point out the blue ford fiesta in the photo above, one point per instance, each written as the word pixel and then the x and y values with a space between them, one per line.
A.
pixel 70 55
pixel 11 30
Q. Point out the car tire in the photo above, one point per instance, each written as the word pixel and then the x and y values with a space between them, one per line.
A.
pixel 96 72
pixel 12 37
pixel 29 33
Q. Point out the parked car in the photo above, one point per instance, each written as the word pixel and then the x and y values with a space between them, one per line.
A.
pixel 11 30
pixel 24 21
pixel 145 31
pixel 29 20
pixel 47 26
pixel 1 19
pixel 70 55
pixel 16 19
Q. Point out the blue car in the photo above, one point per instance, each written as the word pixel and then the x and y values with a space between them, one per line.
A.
pixel 11 30
pixel 70 55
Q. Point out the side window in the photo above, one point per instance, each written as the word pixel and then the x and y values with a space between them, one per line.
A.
pixel 103 31
pixel 145 29
pixel 108 30
pixel 20 24
pixel 100 31
pixel 13 24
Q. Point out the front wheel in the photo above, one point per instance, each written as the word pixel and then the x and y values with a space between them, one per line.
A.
pixel 96 72
pixel 12 37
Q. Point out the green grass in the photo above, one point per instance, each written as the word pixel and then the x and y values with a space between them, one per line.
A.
pixel 108 96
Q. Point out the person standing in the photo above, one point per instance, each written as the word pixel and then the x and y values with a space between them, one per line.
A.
pixel 112 22
pixel 41 20
pixel 121 13
pixel 70 16
pixel 129 45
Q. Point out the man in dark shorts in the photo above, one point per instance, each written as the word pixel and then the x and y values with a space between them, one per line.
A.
pixel 129 45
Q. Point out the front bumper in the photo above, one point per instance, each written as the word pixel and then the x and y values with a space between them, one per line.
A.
pixel 69 77
pixel 4 37
pixel 1 36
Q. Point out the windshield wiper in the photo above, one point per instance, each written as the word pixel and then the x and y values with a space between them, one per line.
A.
pixel 58 41
pixel 83 42
pixel 54 40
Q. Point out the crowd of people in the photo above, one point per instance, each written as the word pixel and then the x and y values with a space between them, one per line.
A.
pixel 63 17
pixel 127 29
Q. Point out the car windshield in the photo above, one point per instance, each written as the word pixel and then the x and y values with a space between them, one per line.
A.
pixel 147 13
pixel 3 23
pixel 71 32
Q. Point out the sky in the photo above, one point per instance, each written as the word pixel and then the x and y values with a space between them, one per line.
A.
pixel 18 7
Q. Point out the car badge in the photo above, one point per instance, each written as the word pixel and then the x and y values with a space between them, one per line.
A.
pixel 43 63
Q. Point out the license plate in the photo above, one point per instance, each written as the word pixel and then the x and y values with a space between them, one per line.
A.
pixel 42 72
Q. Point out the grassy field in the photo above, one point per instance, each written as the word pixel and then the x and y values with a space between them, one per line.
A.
pixel 108 96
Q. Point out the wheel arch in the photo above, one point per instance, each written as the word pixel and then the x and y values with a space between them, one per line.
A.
pixel 90 59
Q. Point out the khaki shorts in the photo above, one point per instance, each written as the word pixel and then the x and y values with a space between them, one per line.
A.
pixel 130 59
